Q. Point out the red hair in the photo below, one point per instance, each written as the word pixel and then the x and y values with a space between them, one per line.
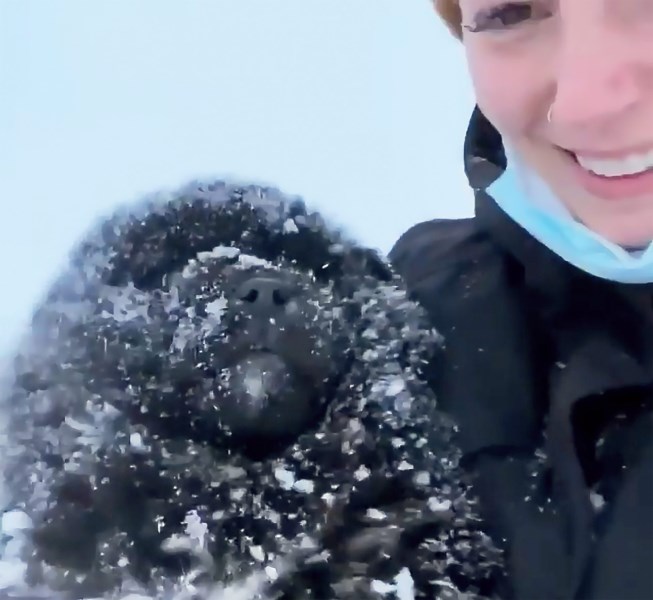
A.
pixel 449 11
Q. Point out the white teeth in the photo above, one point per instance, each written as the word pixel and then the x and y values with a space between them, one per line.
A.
pixel 629 165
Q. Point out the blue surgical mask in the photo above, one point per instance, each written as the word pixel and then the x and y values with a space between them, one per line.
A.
pixel 526 198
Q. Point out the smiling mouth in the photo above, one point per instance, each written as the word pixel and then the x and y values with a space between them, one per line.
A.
pixel 629 165
pixel 621 179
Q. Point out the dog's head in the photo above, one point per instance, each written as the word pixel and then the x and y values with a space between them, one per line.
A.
pixel 199 349
pixel 228 314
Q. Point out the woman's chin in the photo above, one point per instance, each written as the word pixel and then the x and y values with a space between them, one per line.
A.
pixel 631 229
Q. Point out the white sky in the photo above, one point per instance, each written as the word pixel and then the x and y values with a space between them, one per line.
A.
pixel 359 106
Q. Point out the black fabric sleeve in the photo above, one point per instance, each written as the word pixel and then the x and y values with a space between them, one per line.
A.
pixel 486 376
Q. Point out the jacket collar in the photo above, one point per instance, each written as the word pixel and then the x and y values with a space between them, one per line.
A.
pixel 484 156
pixel 484 162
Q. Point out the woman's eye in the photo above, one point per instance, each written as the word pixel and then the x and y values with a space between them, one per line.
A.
pixel 505 16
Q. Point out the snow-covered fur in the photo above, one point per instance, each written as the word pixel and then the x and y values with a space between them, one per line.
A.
pixel 165 440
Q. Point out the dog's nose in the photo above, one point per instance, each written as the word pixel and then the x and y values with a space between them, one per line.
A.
pixel 264 293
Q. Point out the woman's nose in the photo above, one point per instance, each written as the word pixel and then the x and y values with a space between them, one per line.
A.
pixel 595 74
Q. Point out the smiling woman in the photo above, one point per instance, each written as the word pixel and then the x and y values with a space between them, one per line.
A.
pixel 580 123
pixel 545 296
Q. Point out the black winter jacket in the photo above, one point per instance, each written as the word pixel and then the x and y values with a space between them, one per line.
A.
pixel 549 372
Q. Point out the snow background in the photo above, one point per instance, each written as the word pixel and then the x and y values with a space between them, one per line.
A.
pixel 359 106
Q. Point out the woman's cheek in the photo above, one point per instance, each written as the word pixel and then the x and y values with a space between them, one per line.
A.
pixel 506 91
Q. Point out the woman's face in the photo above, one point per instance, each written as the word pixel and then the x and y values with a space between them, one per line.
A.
pixel 591 63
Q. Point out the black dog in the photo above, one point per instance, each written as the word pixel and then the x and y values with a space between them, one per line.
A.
pixel 224 392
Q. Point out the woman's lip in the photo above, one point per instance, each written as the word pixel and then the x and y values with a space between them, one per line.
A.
pixel 623 187
pixel 610 154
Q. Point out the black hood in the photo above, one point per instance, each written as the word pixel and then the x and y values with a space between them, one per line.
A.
pixel 484 162
pixel 483 151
